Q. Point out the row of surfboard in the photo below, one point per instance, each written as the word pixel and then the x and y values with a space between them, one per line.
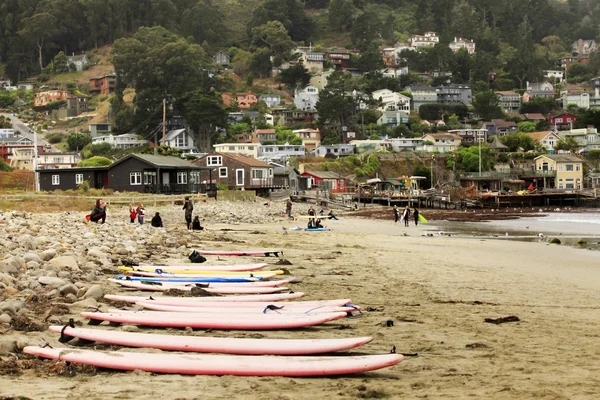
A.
pixel 258 304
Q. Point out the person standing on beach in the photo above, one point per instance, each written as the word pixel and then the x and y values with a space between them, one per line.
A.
pixel 406 215
pixel 188 206
pixel 416 215
pixel 99 212
pixel 140 213
pixel 132 213
pixel 396 214
pixel 312 213
pixel 288 207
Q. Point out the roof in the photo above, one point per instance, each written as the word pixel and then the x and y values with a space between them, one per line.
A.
pixel 538 136
pixel 443 136
pixel 259 131
pixel 500 123
pixel 534 116
pixel 324 174
pixel 508 93
pixel 161 161
pixel 174 133
pixel 80 57
pixel 248 161
pixel 284 170
pixel 496 144
pixel 561 157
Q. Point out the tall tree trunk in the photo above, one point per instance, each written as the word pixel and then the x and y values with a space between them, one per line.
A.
pixel 40 46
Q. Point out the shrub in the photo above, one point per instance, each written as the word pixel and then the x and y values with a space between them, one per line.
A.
pixel 84 187
pixel 582 243
pixel 55 138
pixel 96 161
pixel 554 241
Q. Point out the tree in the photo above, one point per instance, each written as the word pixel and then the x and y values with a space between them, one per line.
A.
pixel 486 104
pixel 38 29
pixel 369 61
pixel 294 77
pixel 205 114
pixel 366 30
pixel 539 105
pixel 96 161
pixel 260 63
pixel 468 158
pixel 289 12
pixel 77 141
pixel 274 36
pixel 287 136
pixel 341 15
pixel 4 167
pixel 453 122
pixel 516 141
pixel 204 22
pixel 526 126
pixel 59 63
pixel 336 103
pixel 7 98
pixel 567 144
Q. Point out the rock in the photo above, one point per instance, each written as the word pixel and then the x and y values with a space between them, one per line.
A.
pixel 63 262
pixel 7 346
pixel 130 328
pixel 88 235
pixel 64 274
pixel 68 289
pixel 94 292
pixel 48 255
pixel 9 291
pixel 122 251
pixel 8 308
pixel 91 277
pixel 72 297
pixel 32 257
pixel 96 253
pixel 27 242
pixel 51 281
pixel 81 292
pixel 33 265
pixel 5 318
pixel 8 268
pixel 85 303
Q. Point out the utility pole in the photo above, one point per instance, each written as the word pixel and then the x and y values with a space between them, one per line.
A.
pixel 35 161
pixel 164 125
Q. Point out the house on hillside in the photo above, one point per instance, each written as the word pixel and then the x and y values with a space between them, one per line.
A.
pixel 100 129
pixel 428 39
pixel 422 95
pixel 340 58
pixel 471 135
pixel 454 94
pixel 270 99
pixel 509 101
pixel 248 149
pixel 43 98
pixel 562 120
pixel 534 117
pixel 556 76
pixel 405 144
pixel 588 138
pixel 499 127
pixel 441 142
pixel 103 84
pixel 392 119
pixel 391 101
pixel 125 141
pixel 306 98
pixel 311 138
pixel 244 99
pixel 23 159
pixel 287 117
pixel 144 173
pixel 311 59
pixel 583 47
pixel 281 152
pixel 548 139
pixel 579 98
pixel 460 43
pixel 180 139
pixel 334 150
pixel 236 171
pixel 79 62
pixel 326 180
pixel 73 106
pixel 222 58
pixel 264 136
pixel 288 177
pixel 538 89
pixel 564 171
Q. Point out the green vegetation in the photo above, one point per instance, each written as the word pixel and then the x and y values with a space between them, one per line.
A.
pixel 96 161
pixel 554 241
pixel 4 167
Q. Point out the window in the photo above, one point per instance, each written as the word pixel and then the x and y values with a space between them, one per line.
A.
pixel 569 167
pixel 577 167
pixel 223 172
pixel 258 174
pixel 135 178
pixel 182 140
pixel 149 178
pixel 559 120
pixel 56 180
pixel 78 179
pixel 560 167
pixel 231 148
pixel 214 161
pixel 182 178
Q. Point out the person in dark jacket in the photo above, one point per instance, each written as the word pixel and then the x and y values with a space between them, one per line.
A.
pixel 99 212
pixel 406 216
pixel 156 221
pixel 396 214
pixel 188 206
pixel 196 224
pixel 416 216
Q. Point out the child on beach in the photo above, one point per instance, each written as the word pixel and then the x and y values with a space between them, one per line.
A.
pixel 188 206
pixel 99 212
pixel 156 221
pixel 196 224
pixel 140 213
pixel 132 213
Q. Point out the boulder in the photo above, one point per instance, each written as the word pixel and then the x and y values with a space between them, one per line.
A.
pixel 49 254
pixel 51 281
pixel 69 288
pixel 94 292
pixel 62 262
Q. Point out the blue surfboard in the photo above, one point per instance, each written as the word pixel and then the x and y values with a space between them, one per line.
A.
pixel 197 280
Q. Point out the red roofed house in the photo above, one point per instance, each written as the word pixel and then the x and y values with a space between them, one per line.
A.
pixel 103 84
pixel 326 180
pixel 564 119
pixel 245 100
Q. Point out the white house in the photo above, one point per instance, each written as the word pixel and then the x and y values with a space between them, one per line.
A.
pixel 280 151
pixel 312 60
pixel 392 119
pixel 548 139
pixel 271 99
pixel 395 72
pixel 428 39
pixel 587 138
pixel 556 75
pixel 460 43
pixel 405 144
pixel 79 61
pixel 337 150
pixel 442 142
pixel 391 101
pixel 180 139
pixel 311 138
pixel 306 99
pixel 579 98
pixel 125 141
pixel 245 149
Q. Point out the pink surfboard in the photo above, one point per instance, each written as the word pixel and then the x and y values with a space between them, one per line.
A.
pixel 203 344
pixel 168 275
pixel 212 285
pixel 140 285
pixel 214 321
pixel 266 253
pixel 148 305
pixel 224 299
pixel 202 267
pixel 213 364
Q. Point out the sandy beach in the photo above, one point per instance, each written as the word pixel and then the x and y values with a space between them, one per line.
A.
pixel 437 290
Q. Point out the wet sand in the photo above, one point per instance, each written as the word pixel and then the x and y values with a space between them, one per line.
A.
pixel 437 290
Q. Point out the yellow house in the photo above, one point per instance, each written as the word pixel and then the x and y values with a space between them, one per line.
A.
pixel 567 168
pixel 245 149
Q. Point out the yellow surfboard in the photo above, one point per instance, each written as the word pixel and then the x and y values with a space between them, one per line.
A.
pixel 199 272
pixel 422 219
